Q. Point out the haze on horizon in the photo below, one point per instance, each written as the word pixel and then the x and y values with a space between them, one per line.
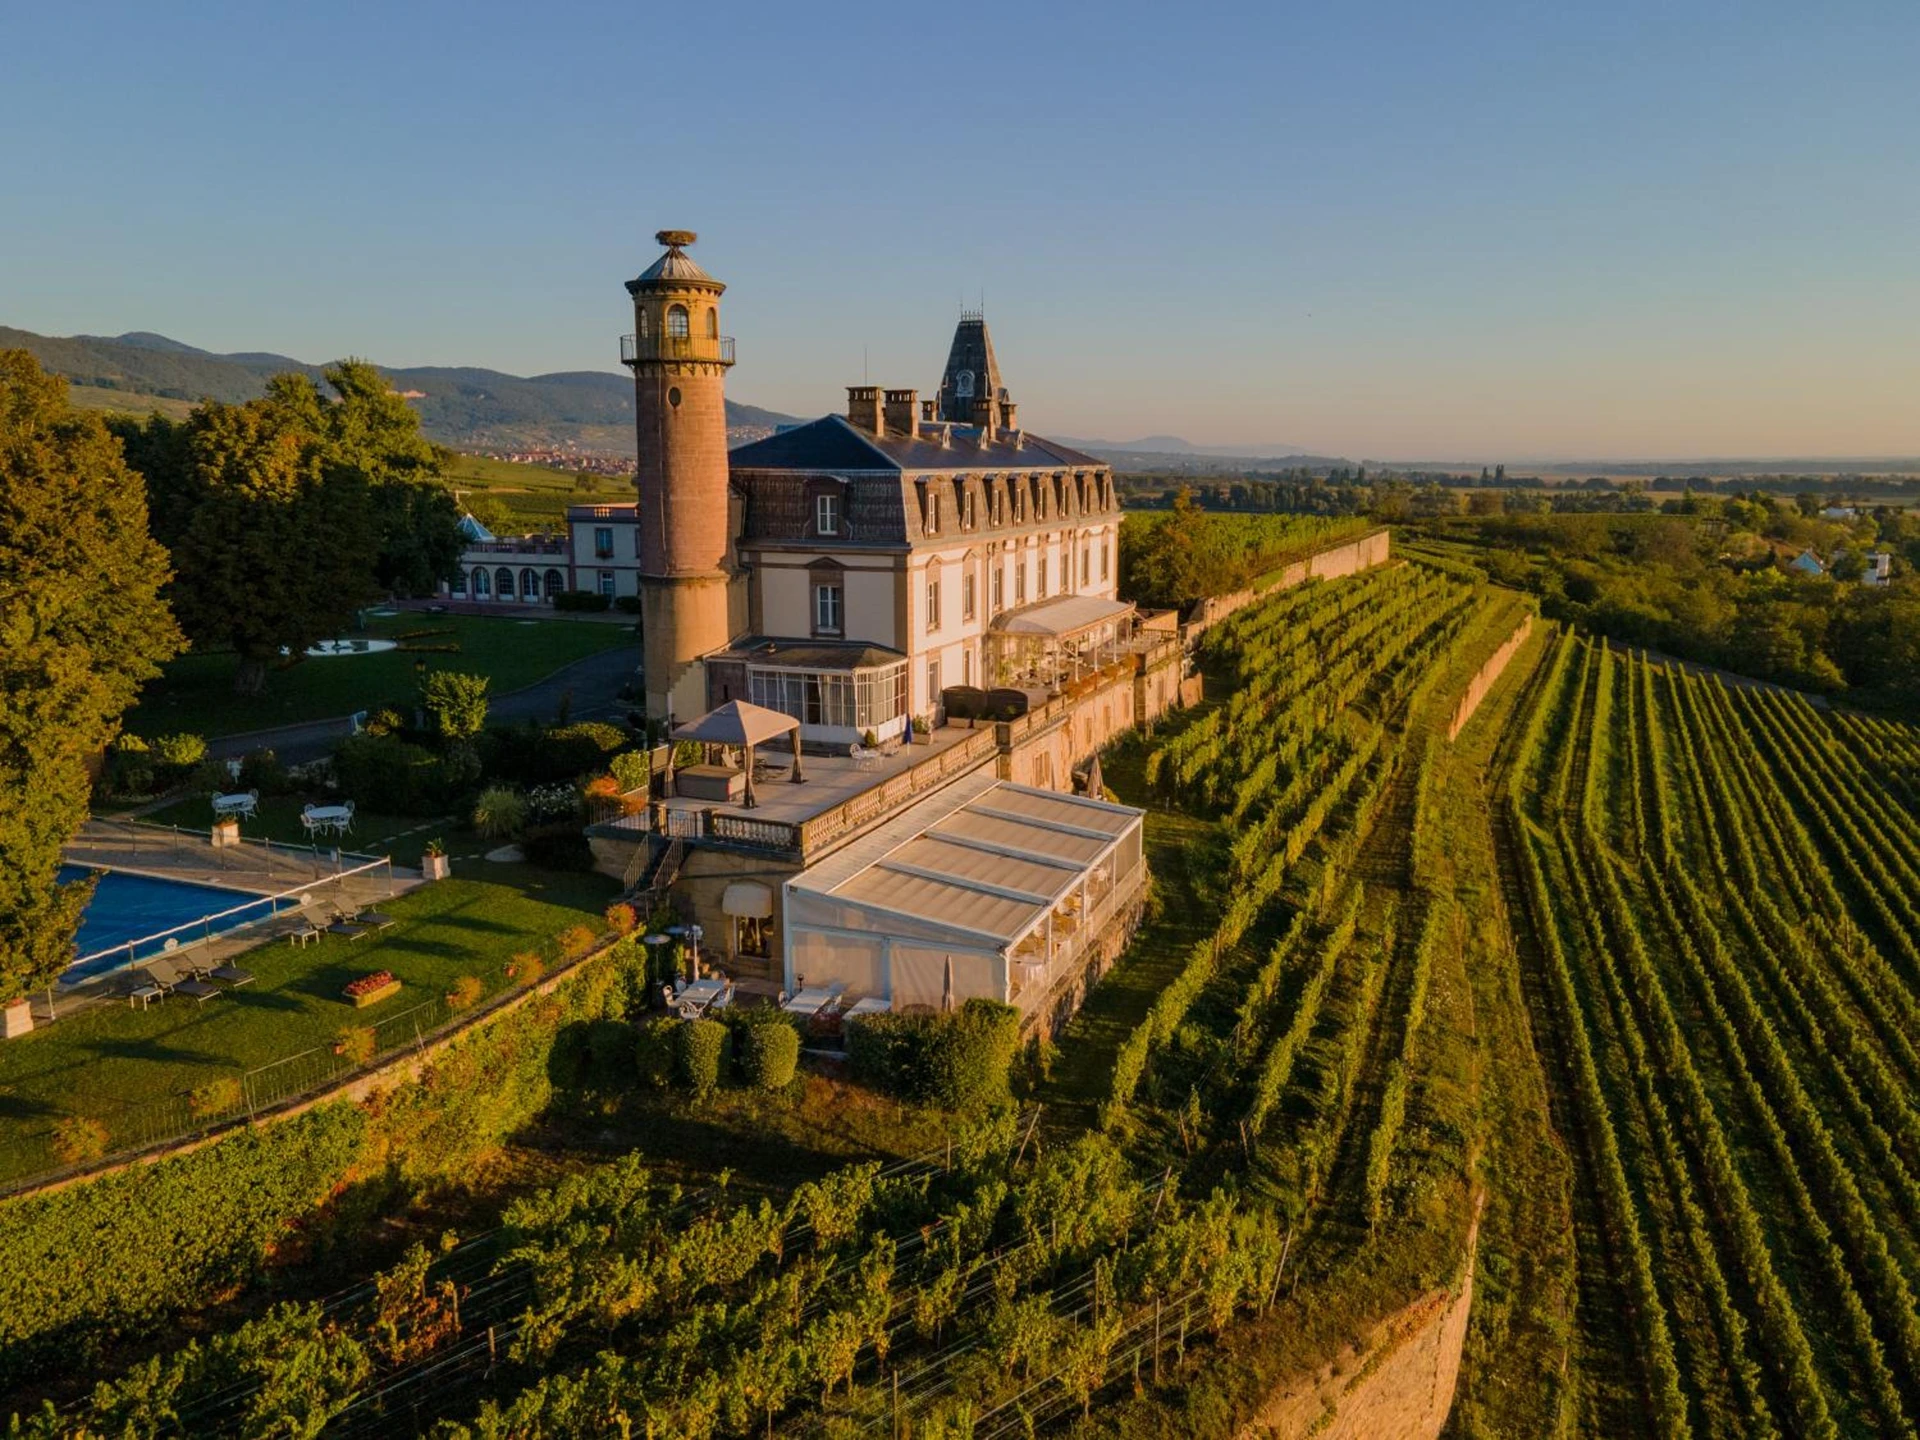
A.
pixel 1649 230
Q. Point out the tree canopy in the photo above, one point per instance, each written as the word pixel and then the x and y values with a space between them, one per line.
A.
pixel 82 624
pixel 285 514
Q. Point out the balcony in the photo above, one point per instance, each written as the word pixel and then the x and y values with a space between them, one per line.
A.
pixel 637 348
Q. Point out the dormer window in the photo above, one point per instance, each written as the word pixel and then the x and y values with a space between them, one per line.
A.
pixel 826 514
pixel 933 511
pixel 966 506
pixel 963 384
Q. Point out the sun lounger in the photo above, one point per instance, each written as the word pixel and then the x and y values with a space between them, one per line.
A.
pixel 345 924
pixel 373 918
pixel 198 989
pixel 230 975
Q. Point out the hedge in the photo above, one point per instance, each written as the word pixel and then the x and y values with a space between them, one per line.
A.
pixel 700 1054
pixel 961 1061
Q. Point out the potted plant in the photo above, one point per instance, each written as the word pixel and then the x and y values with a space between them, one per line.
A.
pixel 434 864
pixel 922 731
pixel 16 1018
pixel 226 831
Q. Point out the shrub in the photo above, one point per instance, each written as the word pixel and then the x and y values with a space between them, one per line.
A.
pixel 621 919
pixel 960 1061
pixel 456 704
pixel 128 772
pixel 768 1051
pixel 527 968
pixel 580 600
pixel 79 1140
pixel 466 992
pixel 627 604
pixel 384 720
pixel 559 846
pixel 455 773
pixel 572 750
pixel 576 940
pixel 549 803
pixel 630 769
pixel 610 1045
pixel 499 813
pixel 700 1054
pixel 654 1053
pixel 216 1097
pixel 356 1043
pixel 261 770
pixel 386 774
pixel 179 752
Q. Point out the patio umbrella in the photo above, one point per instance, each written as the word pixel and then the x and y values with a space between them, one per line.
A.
pixel 946 991
pixel 745 725
pixel 1096 786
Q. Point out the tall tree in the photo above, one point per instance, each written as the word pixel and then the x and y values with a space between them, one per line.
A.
pixel 81 625
pixel 274 550
pixel 286 513
pixel 367 428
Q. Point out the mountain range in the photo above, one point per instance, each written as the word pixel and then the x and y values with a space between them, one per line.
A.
pixel 464 407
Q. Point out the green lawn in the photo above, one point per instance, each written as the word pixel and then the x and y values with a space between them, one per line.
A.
pixel 196 692
pixel 402 837
pixel 132 1068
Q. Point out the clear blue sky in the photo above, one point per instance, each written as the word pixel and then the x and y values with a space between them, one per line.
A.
pixel 1383 230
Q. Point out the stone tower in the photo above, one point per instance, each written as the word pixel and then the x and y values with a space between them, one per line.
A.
pixel 970 391
pixel 680 361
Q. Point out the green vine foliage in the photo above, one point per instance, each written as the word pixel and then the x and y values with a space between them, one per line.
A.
pixel 115 1255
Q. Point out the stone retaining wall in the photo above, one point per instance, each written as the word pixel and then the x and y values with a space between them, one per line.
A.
pixel 1488 673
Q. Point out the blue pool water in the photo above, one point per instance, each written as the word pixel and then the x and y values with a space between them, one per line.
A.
pixel 133 907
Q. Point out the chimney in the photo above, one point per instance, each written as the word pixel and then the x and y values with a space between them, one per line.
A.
pixel 1009 415
pixel 903 412
pixel 926 411
pixel 983 416
pixel 863 409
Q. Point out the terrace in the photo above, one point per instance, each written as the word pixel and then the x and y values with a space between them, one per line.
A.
pixel 839 797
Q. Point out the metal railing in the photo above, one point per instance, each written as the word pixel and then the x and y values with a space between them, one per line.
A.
pixel 636 348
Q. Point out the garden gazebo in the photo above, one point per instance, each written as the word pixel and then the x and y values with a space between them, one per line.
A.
pixel 744 726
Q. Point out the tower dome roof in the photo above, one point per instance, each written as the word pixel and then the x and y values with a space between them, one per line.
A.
pixel 674 267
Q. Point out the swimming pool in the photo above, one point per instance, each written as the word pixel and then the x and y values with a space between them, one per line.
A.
pixel 129 908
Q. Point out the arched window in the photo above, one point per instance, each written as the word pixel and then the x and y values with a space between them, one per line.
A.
pixel 529 585
pixel 556 582
pixel 713 324
pixel 481 585
pixel 642 321
pixel 503 583
pixel 963 384
pixel 677 323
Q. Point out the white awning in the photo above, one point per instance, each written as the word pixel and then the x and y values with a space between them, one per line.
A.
pixel 747 899
pixel 1067 615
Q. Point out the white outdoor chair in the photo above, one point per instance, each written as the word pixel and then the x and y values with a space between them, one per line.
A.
pixel 864 758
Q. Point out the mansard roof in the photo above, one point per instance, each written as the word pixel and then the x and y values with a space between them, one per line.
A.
pixel 830 444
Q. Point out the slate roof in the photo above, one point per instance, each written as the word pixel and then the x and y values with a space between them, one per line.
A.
pixel 830 444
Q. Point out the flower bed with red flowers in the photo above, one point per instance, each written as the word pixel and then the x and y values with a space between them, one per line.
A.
pixel 372 989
